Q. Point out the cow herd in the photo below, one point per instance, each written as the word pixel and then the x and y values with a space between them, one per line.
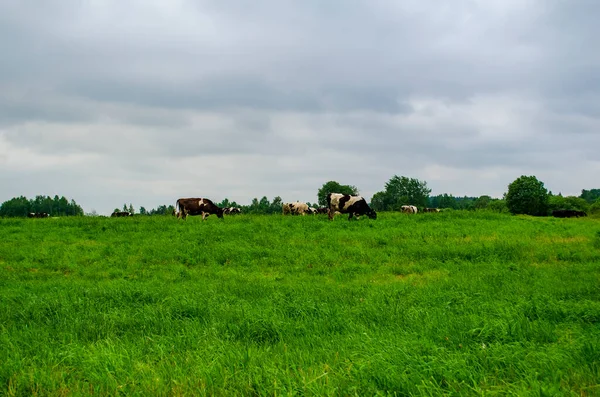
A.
pixel 337 203
pixel 38 215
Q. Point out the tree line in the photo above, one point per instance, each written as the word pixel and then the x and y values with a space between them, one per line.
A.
pixel 57 206
pixel 525 195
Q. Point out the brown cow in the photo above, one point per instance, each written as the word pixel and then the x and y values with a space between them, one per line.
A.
pixel 197 206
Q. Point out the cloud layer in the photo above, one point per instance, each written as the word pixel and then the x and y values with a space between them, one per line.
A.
pixel 144 102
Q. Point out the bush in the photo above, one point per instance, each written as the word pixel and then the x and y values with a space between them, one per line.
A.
pixel 526 195
pixel 595 208
pixel 568 203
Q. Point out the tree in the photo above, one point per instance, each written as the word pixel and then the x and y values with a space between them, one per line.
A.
pixel 595 208
pixel 143 211
pixel 526 195
pixel 567 203
pixel 482 202
pixel 399 191
pixel 21 206
pixel 276 205
pixel 497 205
pixel 334 187
pixel 590 195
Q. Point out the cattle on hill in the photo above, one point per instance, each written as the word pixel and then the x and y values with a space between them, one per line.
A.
pixel 347 204
pixel 118 214
pixel 231 210
pixel 431 210
pixel 197 206
pixel 38 215
pixel 296 208
pixel 568 213
pixel 409 209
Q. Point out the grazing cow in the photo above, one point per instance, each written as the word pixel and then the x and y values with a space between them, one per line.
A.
pixel 231 210
pixel 409 209
pixel 322 210
pixel 297 208
pixel 568 213
pixel 347 204
pixel 120 214
pixel 38 215
pixel 197 206
pixel 431 210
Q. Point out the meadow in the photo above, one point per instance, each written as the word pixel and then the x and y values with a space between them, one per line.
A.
pixel 456 303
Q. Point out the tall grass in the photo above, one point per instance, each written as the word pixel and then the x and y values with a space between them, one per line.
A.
pixel 450 303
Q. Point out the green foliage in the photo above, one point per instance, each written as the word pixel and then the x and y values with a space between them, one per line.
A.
pixel 489 204
pixel 595 208
pixel 456 303
pixel 567 203
pixel 263 206
pixel 526 195
pixel 334 187
pixel 399 191
pixel 162 210
pixel 498 206
pixel 482 202
pixel 590 195
pixel 57 206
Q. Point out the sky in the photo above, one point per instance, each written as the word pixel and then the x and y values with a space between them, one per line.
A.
pixel 144 102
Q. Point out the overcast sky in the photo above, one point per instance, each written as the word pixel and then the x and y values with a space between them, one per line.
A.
pixel 143 102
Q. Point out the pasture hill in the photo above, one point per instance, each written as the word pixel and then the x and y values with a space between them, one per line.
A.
pixel 465 303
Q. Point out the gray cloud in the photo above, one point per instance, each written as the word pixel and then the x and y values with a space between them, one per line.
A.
pixel 133 102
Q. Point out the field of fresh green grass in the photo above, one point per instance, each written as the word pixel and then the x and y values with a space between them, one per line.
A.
pixel 456 303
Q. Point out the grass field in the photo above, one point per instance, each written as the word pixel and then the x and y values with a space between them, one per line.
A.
pixel 457 303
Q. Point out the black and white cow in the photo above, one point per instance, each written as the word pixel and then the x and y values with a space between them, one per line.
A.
pixel 231 210
pixel 197 206
pixel 409 209
pixel 38 215
pixel 347 204
pixel 118 214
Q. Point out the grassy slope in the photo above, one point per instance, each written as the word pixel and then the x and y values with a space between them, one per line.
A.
pixel 436 303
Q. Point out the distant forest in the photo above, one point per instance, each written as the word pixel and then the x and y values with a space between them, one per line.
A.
pixel 398 191
pixel 57 206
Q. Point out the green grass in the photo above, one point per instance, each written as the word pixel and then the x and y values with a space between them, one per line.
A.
pixel 453 303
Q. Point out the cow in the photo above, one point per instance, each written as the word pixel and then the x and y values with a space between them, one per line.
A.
pixel 119 214
pixel 409 209
pixel 231 210
pixel 297 208
pixel 431 210
pixel 197 206
pixel 38 215
pixel 322 210
pixel 568 213
pixel 347 204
